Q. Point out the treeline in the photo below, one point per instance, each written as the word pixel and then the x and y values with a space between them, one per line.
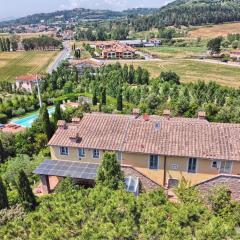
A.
pixel 6 44
pixel 190 13
pixel 17 106
pixel 117 32
pixel 104 213
pixel 41 43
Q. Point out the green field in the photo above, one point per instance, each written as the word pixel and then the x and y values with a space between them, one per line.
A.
pixel 192 71
pixel 13 64
pixel 165 52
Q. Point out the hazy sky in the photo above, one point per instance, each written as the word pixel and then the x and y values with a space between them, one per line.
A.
pixel 18 8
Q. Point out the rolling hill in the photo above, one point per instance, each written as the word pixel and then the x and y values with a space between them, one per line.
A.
pixel 78 14
pixel 190 12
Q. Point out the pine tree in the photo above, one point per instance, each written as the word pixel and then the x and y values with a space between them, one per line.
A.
pixel 119 100
pixel 26 195
pixel 94 98
pixel 104 97
pixel 58 113
pixel 109 173
pixel 45 120
pixel 3 196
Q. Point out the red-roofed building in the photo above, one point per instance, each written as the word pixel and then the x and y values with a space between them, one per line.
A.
pixel 12 128
pixel 115 50
pixel 27 82
pixel 163 149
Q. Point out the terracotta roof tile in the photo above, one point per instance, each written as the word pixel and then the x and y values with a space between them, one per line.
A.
pixel 159 135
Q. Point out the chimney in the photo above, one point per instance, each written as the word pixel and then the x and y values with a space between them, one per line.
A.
pixel 136 112
pixel 201 115
pixel 167 113
pixel 76 120
pixel 62 124
pixel 146 117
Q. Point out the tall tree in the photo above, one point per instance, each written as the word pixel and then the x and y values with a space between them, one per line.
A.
pixel 131 74
pixel 94 98
pixel 109 173
pixel 2 154
pixel 104 97
pixel 214 45
pixel 26 195
pixel 58 113
pixel 45 120
pixel 8 45
pixel 3 196
pixel 125 72
pixel 1 45
pixel 119 100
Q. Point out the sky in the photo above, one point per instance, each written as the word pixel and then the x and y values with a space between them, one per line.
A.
pixel 20 8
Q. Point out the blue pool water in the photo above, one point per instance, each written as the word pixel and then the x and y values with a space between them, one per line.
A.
pixel 27 121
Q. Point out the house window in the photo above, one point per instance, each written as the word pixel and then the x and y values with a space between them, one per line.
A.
pixel 64 151
pixel 154 162
pixel 96 153
pixel 192 165
pixel 81 152
pixel 215 164
pixel 225 167
pixel 119 156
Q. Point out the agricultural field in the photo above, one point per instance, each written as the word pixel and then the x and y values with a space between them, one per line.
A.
pixel 165 52
pixel 192 70
pixel 29 35
pixel 215 30
pixel 13 64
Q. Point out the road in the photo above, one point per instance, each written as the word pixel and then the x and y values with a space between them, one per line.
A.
pixel 63 55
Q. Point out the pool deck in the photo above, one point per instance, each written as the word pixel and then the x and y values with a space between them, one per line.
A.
pixel 30 118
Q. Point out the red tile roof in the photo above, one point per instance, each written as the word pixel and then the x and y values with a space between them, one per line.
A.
pixel 28 78
pixel 12 128
pixel 159 135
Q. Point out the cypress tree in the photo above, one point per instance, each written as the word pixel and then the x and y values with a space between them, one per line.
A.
pixel 2 152
pixel 3 196
pixel 94 98
pixel 58 113
pixel 104 97
pixel 1 44
pixel 8 45
pixel 46 124
pixel 119 100
pixel 109 173
pixel 26 195
pixel 131 75
pixel 4 44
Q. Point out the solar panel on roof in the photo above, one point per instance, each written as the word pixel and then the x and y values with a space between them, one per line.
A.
pixel 68 168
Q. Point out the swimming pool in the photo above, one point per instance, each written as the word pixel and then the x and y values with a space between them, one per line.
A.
pixel 27 121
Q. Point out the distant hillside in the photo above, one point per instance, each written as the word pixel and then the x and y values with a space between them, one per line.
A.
pixel 190 12
pixel 78 14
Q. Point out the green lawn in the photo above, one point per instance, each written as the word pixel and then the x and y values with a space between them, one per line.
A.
pixel 165 52
pixel 192 71
pixel 13 64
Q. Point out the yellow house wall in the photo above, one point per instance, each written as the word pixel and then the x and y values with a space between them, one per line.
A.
pixel 73 155
pixel 140 162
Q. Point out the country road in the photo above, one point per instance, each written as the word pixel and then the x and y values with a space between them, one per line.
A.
pixel 63 55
